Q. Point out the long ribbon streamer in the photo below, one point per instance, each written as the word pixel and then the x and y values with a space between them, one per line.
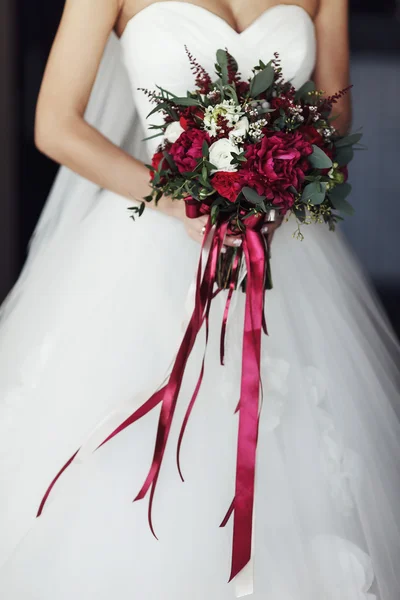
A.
pixel 254 253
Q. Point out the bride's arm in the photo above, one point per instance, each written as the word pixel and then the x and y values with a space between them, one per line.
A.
pixel 332 68
pixel 60 129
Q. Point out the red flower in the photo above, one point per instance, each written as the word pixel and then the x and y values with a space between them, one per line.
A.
pixel 155 161
pixel 276 164
pixel 189 115
pixel 242 87
pixel 188 149
pixel 184 123
pixel 280 102
pixel 312 135
pixel 227 184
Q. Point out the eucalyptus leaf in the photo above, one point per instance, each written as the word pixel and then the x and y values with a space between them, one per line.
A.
pixel 252 196
pixel 314 193
pixel 222 60
pixel 262 81
pixel 342 205
pixel 318 159
pixel 339 192
pixel 349 140
pixel 303 91
pixel 344 155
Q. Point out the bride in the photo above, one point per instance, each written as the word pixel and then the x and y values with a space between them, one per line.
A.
pixel 90 329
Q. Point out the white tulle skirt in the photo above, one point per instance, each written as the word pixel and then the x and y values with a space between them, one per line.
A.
pixel 94 334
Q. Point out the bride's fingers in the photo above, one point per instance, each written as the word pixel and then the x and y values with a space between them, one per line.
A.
pixel 196 227
pixel 233 241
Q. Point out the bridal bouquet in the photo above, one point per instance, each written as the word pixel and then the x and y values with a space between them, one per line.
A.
pixel 240 152
pixel 247 152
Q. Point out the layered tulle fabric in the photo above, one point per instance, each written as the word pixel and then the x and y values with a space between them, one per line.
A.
pixel 93 332
pixel 327 476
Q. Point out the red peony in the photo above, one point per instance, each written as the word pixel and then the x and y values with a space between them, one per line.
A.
pixel 227 184
pixel 188 149
pixel 155 161
pixel 275 164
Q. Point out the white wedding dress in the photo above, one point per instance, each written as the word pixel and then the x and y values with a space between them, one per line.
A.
pixel 90 331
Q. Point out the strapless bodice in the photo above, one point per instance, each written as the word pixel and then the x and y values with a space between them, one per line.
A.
pixel 154 46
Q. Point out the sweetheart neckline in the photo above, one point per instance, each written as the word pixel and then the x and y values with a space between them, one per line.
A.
pixel 213 15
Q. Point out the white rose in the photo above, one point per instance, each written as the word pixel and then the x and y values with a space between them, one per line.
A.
pixel 240 129
pixel 173 132
pixel 221 155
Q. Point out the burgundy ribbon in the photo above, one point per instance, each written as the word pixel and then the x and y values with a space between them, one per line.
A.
pixel 254 252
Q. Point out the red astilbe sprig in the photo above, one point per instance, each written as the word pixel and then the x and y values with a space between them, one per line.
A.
pixel 233 74
pixel 152 95
pixel 336 97
pixel 202 78
pixel 277 66
pixel 235 77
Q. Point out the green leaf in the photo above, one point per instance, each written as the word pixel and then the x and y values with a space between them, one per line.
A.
pixel 349 140
pixel 186 101
pixel 222 60
pixel 169 160
pixel 339 191
pixel 151 137
pixel 338 197
pixel 319 160
pixel 343 205
pixel 300 213
pixel 170 94
pixel 231 93
pixel 252 196
pixel 205 149
pixel 303 91
pixel 214 213
pixel 262 81
pixel 315 193
pixel 344 155
pixel 161 106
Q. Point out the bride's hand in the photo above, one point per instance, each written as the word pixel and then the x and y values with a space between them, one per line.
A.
pixel 195 228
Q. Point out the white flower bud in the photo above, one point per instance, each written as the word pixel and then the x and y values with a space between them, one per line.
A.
pixel 173 132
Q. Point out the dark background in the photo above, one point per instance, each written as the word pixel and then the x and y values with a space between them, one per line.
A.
pixel 28 28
